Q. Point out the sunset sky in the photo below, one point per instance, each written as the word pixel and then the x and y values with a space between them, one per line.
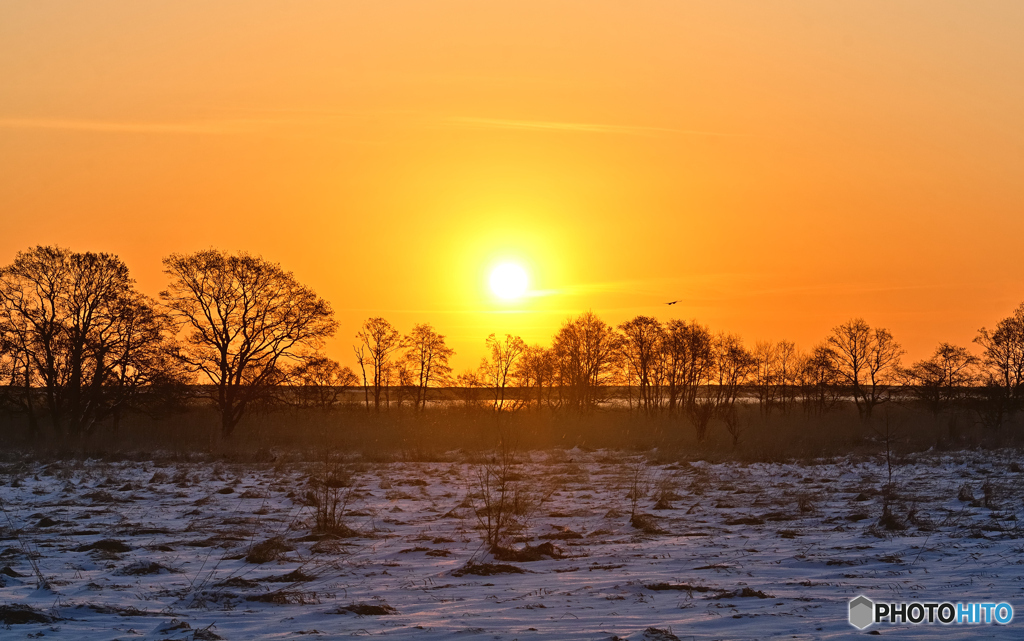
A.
pixel 778 167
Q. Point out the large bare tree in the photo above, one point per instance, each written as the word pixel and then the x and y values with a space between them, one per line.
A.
pixel 868 360
pixel 77 330
pixel 244 319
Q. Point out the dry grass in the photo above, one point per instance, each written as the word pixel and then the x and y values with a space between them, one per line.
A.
pixel 275 437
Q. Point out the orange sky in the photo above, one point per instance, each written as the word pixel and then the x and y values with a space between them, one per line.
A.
pixel 780 167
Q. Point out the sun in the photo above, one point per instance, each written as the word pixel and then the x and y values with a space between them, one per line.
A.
pixel 509 281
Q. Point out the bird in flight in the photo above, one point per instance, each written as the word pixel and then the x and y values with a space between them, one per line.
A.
pixel 674 302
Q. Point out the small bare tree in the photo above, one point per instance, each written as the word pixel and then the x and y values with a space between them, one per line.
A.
pixel 504 502
pixel 427 357
pixel 378 342
pixel 320 381
pixel 944 379
pixel 1003 360
pixel 766 375
pixel 818 379
pixel 497 370
pixel 330 494
pixel 639 486
pixel 689 354
pixel 537 369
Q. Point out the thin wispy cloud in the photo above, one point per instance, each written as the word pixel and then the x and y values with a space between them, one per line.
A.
pixel 574 127
pixel 208 127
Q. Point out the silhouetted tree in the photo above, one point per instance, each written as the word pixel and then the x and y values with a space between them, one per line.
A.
pixel 941 381
pixel 537 369
pixel 427 356
pixel 849 343
pixel 1003 359
pixel 321 381
pixel 144 368
pixel 77 330
pixel 466 385
pixel 379 341
pixel 584 348
pixel 818 377
pixel 733 364
pixel 641 346
pixel 765 375
pixel 689 355
pixel 774 375
pixel 787 362
pixel 244 318
pixel 868 360
pixel 883 368
pixel 497 369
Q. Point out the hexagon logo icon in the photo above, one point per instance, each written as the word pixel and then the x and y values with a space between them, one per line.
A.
pixel 862 611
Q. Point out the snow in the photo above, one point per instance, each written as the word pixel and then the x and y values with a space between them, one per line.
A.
pixel 748 551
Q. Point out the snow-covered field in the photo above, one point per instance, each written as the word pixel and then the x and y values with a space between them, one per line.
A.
pixel 169 550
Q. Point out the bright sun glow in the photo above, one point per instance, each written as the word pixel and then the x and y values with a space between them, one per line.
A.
pixel 508 281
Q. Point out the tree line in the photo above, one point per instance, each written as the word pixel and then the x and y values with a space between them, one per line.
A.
pixel 80 347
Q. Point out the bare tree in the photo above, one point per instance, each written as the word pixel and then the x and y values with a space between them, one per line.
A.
pixel 78 330
pixel 818 378
pixel 143 361
pixel 498 368
pixel 868 360
pixel 734 364
pixel 641 347
pixel 689 350
pixel 883 368
pixel 717 388
pixel 244 318
pixel 787 363
pixel 321 381
pixel 1003 358
pixel 943 379
pixel 466 385
pixel 537 369
pixel 766 375
pixel 849 343
pixel 379 341
pixel 427 356
pixel 502 498
pixel 585 348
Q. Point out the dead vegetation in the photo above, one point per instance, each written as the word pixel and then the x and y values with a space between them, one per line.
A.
pixel 330 494
pixel 20 614
pixel 268 550
pixel 367 609
pixel 487 569
pixel 501 500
